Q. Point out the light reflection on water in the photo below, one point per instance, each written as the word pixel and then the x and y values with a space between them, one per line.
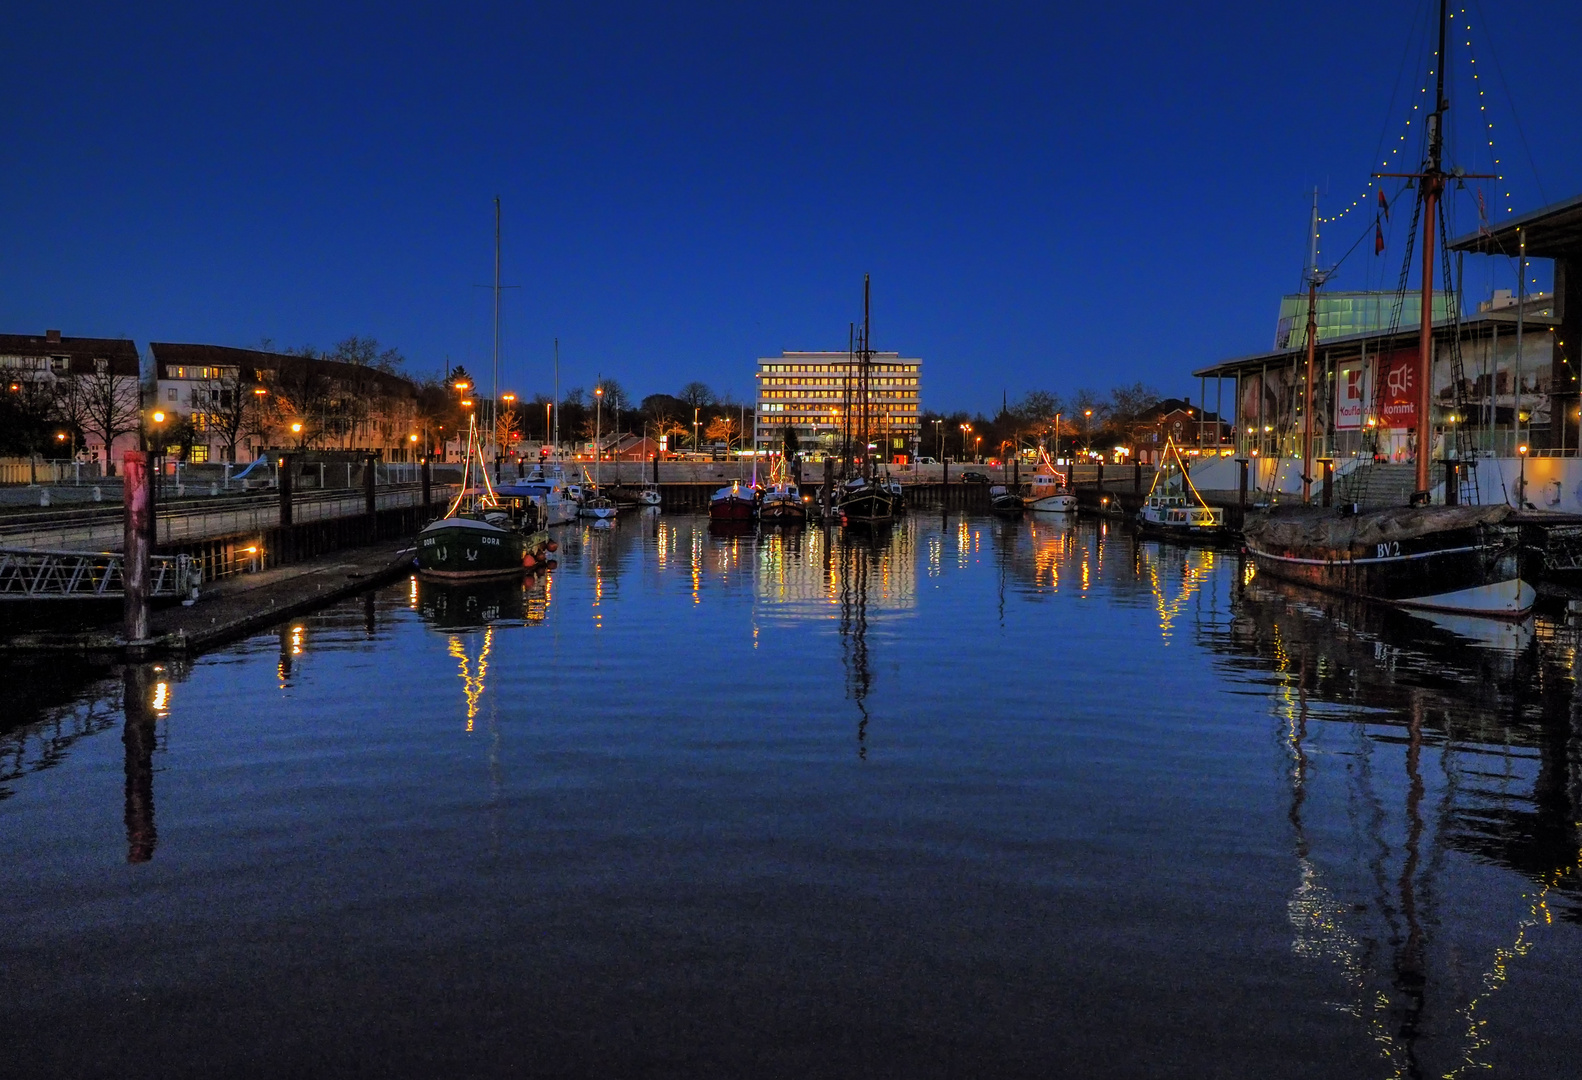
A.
pixel 966 796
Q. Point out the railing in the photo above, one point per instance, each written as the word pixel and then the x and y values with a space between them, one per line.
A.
pixel 79 575
pixel 103 528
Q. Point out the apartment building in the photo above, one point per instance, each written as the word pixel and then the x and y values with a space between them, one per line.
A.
pixel 809 393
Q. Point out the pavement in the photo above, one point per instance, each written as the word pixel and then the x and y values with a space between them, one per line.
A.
pixel 242 604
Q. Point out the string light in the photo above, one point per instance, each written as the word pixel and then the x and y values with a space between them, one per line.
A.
pixel 1368 192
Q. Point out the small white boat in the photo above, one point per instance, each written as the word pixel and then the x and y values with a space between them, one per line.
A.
pixel 1049 494
pixel 649 496
pixel 547 489
pixel 598 507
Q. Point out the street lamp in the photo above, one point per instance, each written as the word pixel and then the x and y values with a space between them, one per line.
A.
pixel 695 429
pixel 1521 485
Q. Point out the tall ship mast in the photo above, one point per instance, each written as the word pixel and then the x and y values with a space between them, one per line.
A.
pixel 862 499
pixel 1446 557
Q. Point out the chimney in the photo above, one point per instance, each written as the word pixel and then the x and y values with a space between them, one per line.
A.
pixel 52 337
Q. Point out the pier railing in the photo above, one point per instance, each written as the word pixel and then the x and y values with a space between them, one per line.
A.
pixel 102 528
pixel 80 575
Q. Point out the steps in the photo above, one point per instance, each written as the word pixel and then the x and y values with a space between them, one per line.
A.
pixel 1374 486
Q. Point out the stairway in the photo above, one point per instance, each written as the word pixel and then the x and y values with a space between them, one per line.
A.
pixel 1375 486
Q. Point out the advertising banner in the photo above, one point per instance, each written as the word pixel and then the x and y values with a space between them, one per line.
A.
pixel 1398 386
pixel 1349 402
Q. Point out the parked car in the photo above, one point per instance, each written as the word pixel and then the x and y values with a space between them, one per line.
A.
pixel 971 476
pixel 925 461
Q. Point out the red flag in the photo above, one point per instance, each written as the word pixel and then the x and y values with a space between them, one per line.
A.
pixel 1378 236
pixel 1384 205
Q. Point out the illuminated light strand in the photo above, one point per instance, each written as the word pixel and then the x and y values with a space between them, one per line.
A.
pixel 1385 164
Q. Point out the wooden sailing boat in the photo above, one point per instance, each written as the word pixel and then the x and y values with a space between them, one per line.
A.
pixel 1179 513
pixel 863 499
pixel 1447 557
pixel 479 537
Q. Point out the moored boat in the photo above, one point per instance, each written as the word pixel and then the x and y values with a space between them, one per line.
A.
pixel 1048 493
pixel 734 503
pixel 1003 500
pixel 782 502
pixel 479 537
pixel 546 488
pixel 1441 558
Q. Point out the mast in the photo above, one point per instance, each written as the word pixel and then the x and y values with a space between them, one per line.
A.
pixel 1433 185
pixel 1312 340
pixel 865 380
pixel 494 384
pixel 846 419
pixel 556 451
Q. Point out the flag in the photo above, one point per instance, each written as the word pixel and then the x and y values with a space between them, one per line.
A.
pixel 1378 237
pixel 1384 205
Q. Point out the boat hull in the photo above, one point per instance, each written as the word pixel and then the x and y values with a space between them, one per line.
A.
pixel 782 511
pixel 731 509
pixel 1054 504
pixel 1189 534
pixel 1474 570
pixel 866 506
pixel 462 549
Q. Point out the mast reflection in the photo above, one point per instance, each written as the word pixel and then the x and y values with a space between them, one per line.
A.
pixel 1440 747
pixel 857 556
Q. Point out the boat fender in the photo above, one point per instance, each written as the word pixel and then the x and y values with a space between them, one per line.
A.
pixel 552 546
pixel 529 562
pixel 551 565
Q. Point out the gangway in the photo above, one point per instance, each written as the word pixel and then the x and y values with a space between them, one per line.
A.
pixel 89 575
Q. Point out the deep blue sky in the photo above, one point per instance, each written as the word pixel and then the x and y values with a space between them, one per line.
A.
pixel 1047 196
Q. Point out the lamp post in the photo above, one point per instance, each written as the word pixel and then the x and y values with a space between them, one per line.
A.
pixel 547 436
pixel 694 429
pixel 1521 484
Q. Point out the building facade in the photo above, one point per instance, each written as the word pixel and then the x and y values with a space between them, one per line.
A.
pixel 84 391
pixel 234 404
pixel 810 393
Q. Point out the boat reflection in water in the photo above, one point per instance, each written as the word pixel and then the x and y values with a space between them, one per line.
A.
pixel 1434 805
pixel 474 605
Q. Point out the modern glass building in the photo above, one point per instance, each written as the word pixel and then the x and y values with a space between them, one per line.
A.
pixel 1343 314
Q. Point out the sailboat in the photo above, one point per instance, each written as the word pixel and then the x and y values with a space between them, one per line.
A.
pixel 546 488
pixel 781 500
pixel 864 498
pixel 1447 557
pixel 479 536
pixel 1178 512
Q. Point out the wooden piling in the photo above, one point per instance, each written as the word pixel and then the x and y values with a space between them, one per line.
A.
pixel 137 546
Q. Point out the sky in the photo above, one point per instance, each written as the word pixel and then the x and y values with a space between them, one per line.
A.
pixel 1046 196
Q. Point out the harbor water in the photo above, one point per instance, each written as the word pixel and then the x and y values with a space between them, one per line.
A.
pixel 962 797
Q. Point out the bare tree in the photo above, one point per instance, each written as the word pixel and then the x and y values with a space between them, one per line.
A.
pixel 696 395
pixel 104 406
pixel 232 407
pixel 724 429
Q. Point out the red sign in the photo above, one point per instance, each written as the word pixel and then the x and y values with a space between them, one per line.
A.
pixel 1398 389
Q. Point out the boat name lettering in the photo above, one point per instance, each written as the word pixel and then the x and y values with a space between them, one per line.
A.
pixel 1389 549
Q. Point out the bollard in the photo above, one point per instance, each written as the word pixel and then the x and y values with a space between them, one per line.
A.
pixel 1241 494
pixel 137 545
pixel 98 493
pixel 1329 482
pixel 1137 477
pixel 214 488
pixel 370 500
pixel 43 497
pixel 287 468
pixel 428 484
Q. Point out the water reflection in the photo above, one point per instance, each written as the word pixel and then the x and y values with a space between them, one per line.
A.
pixel 475 605
pixel 1431 746
pixel 145 699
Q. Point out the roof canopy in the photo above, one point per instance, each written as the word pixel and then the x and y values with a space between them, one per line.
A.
pixel 1555 232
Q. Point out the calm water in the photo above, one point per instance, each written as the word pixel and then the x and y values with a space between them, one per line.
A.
pixel 975 798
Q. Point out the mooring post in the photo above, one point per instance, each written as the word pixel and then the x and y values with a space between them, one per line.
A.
pixel 136 546
pixel 1328 466
pixel 370 500
pixel 1241 493
pixel 428 485
pixel 1452 482
pixel 1137 477
pixel 829 484
pixel 287 468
